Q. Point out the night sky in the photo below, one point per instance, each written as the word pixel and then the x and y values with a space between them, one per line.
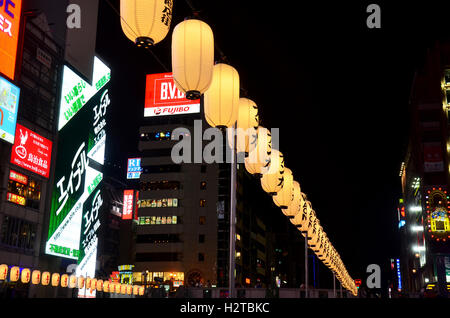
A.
pixel 337 90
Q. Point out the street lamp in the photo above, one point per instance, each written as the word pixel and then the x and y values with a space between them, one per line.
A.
pixel 145 22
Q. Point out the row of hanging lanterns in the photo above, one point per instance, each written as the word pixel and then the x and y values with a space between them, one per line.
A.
pixel 45 278
pixel 195 73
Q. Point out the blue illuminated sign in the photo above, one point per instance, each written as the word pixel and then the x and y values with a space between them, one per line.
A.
pixel 399 275
pixel 9 104
pixel 134 168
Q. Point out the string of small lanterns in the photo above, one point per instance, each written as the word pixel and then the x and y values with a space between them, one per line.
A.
pixel 195 73
pixel 45 278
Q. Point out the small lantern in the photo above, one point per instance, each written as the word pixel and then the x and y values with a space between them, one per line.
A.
pixel 129 289
pixel 64 280
pixel 106 286
pixel 72 281
pixel 99 285
pixel 45 280
pixel 136 290
pixel 88 282
pixel 192 57
pixel 145 22
pixel 81 282
pixel 14 274
pixel 93 283
pixel 284 197
pixel 3 271
pixel 25 276
pixel 141 290
pixel 55 279
pixel 36 277
pixel 221 100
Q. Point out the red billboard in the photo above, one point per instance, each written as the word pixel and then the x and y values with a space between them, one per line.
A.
pixel 163 98
pixel 31 151
pixel 127 213
pixel 9 35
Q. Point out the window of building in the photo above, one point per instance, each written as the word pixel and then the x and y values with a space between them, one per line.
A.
pixel 158 238
pixel 203 169
pixel 159 220
pixel 201 238
pixel 158 257
pixel 203 185
pixel 23 190
pixel 161 169
pixel 156 136
pixel 18 233
pixel 158 203
pixel 202 203
pixel 201 220
pixel 159 185
pixel 201 257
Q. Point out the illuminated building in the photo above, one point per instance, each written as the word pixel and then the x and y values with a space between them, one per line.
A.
pixel 424 210
pixel 26 165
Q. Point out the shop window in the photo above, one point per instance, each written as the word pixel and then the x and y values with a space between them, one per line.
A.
pixel 158 203
pixel 18 233
pixel 159 220
pixel 23 190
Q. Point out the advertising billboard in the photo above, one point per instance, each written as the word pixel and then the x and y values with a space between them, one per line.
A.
pixel 31 151
pixel 128 196
pixel 77 190
pixel 134 168
pixel 9 104
pixel 9 35
pixel 163 98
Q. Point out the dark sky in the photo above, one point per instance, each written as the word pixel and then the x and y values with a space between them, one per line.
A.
pixel 337 90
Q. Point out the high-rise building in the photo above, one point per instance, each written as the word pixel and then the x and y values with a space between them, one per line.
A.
pixel 424 210
pixel 177 211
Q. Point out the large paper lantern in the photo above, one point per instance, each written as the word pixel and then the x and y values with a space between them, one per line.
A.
pixel 246 125
pixel 64 280
pixel 284 197
pixel 260 150
pixel 36 277
pixel 129 289
pixel 301 221
pixel 145 22
pixel 45 279
pixel 55 279
pixel 221 100
pixel 3 271
pixel 88 282
pixel 141 291
pixel 272 180
pixel 14 274
pixel 123 289
pixel 192 57
pixel 136 290
pixel 294 207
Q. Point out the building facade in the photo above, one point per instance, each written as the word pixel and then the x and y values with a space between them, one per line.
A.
pixel 423 212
